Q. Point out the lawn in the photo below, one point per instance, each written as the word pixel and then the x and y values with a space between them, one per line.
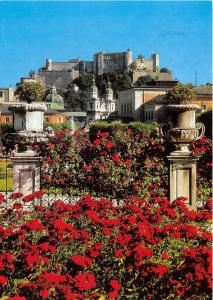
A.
pixel 6 175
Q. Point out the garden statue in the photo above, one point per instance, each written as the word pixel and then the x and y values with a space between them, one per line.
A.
pixel 183 130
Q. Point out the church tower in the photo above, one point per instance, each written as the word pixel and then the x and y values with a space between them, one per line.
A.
pixel 93 89
pixel 93 103
pixel 109 92
pixel 110 102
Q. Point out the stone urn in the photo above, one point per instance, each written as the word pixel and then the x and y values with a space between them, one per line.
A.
pixel 27 126
pixel 27 116
pixel 183 127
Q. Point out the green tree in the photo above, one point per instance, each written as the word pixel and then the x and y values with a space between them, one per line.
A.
pixel 75 101
pixel 143 80
pixel 30 91
pixel 165 70
pixel 133 66
pixel 180 94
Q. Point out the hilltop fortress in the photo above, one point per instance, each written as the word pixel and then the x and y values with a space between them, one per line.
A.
pixel 61 74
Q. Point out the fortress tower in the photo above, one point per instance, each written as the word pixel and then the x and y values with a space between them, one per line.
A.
pixel 156 62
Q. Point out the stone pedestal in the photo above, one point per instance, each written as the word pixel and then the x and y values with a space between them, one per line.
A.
pixel 26 172
pixel 182 178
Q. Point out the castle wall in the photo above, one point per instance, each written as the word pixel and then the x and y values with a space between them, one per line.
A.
pixel 61 79
pixel 109 62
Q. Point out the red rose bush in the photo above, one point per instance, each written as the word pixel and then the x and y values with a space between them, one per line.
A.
pixel 116 166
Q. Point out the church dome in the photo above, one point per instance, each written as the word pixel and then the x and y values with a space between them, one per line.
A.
pixel 53 96
pixel 93 87
pixel 109 89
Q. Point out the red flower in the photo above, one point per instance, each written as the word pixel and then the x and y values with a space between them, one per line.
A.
pixel 16 195
pixel 17 206
pixel 87 168
pixel 34 225
pixel 160 269
pixel 116 287
pixel 116 158
pixel 113 294
pixel 109 144
pixel 118 253
pixel 127 162
pixel 82 261
pixel 165 255
pixel 3 280
pixel 115 284
pixel 96 142
pixel 85 281
pixel 2 198
pixel 44 293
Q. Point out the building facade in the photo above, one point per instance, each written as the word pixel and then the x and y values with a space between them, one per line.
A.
pixel 203 97
pixel 7 94
pixel 134 102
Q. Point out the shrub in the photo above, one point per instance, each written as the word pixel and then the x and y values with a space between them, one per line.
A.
pixel 111 128
pixel 115 166
pixel 180 94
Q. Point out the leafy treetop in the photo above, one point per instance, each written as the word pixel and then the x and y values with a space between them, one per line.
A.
pixel 165 70
pixel 180 94
pixel 30 92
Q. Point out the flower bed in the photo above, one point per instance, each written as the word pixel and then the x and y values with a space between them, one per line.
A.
pixel 94 250
pixel 116 166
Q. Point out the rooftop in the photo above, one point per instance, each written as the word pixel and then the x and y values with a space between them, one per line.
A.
pixel 203 90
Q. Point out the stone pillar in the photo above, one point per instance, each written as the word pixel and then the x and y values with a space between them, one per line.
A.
pixel 182 178
pixel 72 123
pixel 26 173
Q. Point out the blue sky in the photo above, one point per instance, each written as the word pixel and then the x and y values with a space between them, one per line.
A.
pixel 179 31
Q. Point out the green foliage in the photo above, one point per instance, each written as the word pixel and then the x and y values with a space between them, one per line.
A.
pixel 143 80
pixel 77 101
pixel 6 127
pixel 137 127
pixel 165 70
pixel 206 119
pixel 30 92
pixel 180 94
pixel 59 126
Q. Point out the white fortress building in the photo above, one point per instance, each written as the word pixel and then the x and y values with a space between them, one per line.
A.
pixel 100 108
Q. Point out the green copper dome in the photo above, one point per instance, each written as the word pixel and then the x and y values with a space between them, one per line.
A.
pixel 53 96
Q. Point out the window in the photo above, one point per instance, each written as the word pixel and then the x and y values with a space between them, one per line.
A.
pixel 90 105
pixel 7 120
pixel 47 119
pixel 1 94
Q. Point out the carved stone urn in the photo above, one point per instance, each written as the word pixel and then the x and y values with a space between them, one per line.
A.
pixel 27 126
pixel 183 127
